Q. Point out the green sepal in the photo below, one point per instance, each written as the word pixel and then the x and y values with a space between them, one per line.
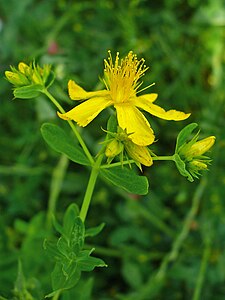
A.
pixel 61 142
pixel 182 167
pixel 28 92
pixel 184 135
pixel 112 124
pixel 50 79
pixel 127 179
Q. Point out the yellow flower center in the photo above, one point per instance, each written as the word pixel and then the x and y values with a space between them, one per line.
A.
pixel 121 77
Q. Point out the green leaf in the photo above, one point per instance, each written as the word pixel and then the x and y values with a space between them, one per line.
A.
pixel 51 250
pixel 58 227
pixel 94 230
pixel 28 92
pixel 77 236
pixel 181 167
pixel 184 134
pixel 69 218
pixel 82 291
pixel 62 279
pixel 87 263
pixel 127 179
pixel 63 247
pixel 61 142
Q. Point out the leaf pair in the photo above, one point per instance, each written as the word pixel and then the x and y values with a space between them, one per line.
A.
pixel 68 252
pixel 124 178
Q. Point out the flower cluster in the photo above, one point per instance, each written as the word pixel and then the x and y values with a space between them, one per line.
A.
pixel 193 154
pixel 189 154
pixel 29 80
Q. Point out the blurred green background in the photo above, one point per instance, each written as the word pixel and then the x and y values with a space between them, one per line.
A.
pixel 183 42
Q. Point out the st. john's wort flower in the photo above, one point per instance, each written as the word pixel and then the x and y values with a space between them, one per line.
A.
pixel 121 79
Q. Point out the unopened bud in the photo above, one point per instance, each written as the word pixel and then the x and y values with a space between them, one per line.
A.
pixel 198 165
pixel 16 79
pixel 139 153
pixel 113 148
pixel 200 147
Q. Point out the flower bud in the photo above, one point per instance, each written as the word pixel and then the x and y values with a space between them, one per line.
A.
pixel 23 68
pixel 16 79
pixel 200 147
pixel 139 154
pixel 198 165
pixel 113 148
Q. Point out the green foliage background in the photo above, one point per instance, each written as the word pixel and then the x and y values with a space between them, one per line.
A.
pixel 150 251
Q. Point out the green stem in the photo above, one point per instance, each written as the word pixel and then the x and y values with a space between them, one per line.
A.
pixel 73 127
pixel 163 157
pixel 126 162
pixel 90 187
pixel 117 164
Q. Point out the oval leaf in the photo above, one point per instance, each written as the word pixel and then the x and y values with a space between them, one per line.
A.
pixel 28 92
pixel 58 140
pixel 127 179
pixel 184 134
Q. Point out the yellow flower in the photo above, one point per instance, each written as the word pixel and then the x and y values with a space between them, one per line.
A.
pixel 121 79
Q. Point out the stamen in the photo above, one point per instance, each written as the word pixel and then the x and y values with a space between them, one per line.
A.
pixel 122 76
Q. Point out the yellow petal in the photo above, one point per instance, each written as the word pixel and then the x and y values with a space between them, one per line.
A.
pixel 131 119
pixel 85 112
pixel 78 93
pixel 158 111
pixel 148 97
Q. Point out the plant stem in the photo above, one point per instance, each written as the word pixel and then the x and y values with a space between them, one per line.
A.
pixel 126 162
pixel 73 127
pixel 117 164
pixel 90 187
pixel 163 157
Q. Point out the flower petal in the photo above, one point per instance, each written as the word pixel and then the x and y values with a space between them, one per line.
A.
pixel 78 93
pixel 158 111
pixel 148 97
pixel 85 112
pixel 137 126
